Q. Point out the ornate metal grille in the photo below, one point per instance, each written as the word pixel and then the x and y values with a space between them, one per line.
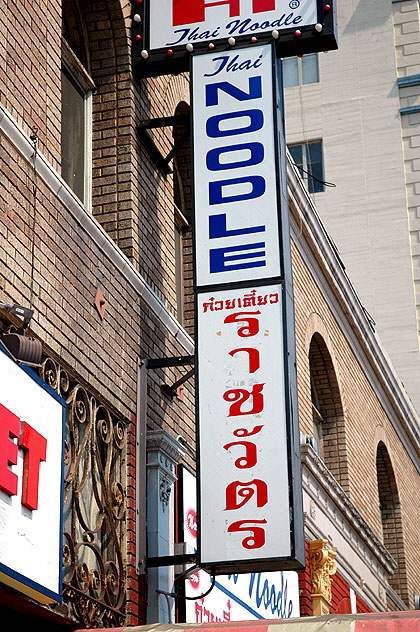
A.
pixel 94 578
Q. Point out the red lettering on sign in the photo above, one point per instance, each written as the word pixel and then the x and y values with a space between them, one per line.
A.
pixel 35 446
pixel 248 317
pixel 257 538
pixel 190 11
pixel 238 493
pixel 35 449
pixel 9 429
pixel 240 395
pixel 254 357
pixel 250 458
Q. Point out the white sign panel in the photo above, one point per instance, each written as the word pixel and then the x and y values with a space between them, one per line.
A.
pixel 234 597
pixel 31 478
pixel 235 175
pixel 243 597
pixel 244 477
pixel 182 22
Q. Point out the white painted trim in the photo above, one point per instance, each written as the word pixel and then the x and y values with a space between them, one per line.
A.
pixel 22 143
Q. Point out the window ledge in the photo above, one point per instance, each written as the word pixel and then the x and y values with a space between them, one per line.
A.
pixel 339 499
pixel 78 71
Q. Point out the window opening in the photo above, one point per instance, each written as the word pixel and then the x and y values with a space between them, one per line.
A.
pixel 76 104
pixel 180 226
pixel 391 519
pixel 298 71
pixel 183 218
pixel 327 411
pixel 308 157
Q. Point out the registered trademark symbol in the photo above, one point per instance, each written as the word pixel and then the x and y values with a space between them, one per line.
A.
pixel 294 4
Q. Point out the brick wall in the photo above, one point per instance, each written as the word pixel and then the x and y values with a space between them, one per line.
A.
pixel 366 421
pixel 50 261
pixel 354 109
pixel 341 603
pixel 30 59
pixel 305 587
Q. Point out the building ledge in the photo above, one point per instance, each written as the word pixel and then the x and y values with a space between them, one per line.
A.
pixel 341 500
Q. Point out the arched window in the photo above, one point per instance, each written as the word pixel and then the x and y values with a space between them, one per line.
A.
pixel 391 519
pixel 76 103
pixel 327 411
pixel 183 218
pixel 74 31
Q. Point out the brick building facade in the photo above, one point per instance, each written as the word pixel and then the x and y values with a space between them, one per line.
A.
pixel 95 237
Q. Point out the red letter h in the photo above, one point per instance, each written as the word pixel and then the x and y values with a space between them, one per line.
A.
pixel 190 11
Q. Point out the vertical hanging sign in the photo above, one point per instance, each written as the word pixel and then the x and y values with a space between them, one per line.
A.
pixel 249 508
pixel 237 230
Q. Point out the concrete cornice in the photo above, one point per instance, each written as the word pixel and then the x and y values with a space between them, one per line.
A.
pixel 342 502
pixel 363 561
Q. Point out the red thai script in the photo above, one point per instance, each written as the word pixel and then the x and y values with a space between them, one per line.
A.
pixel 253 357
pixel 238 493
pixel 251 455
pixel 252 299
pixel 257 538
pixel 246 402
pixel 253 324
pixel 35 449
pixel 250 458
pixel 204 615
pixel 240 396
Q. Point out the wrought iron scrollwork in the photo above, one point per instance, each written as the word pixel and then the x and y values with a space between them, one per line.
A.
pixel 94 504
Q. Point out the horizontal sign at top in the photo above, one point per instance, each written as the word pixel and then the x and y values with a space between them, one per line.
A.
pixel 166 33
pixel 176 22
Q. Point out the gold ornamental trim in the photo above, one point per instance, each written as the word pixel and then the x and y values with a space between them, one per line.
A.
pixel 323 566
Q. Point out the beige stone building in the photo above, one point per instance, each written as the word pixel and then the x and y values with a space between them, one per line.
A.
pixel 358 108
pixel 95 238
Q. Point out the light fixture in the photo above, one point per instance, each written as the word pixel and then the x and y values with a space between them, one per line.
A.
pixel 23 349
